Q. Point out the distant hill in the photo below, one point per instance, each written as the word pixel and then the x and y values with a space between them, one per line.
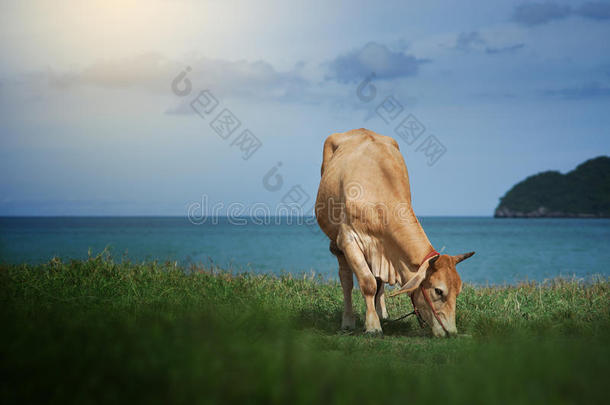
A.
pixel 584 192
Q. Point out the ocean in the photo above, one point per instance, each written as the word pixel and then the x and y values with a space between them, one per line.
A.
pixel 507 250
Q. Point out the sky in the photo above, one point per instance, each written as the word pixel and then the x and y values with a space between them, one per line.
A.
pixel 120 107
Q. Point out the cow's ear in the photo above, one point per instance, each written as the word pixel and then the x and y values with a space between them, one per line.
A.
pixel 415 281
pixel 462 257
pixel 411 285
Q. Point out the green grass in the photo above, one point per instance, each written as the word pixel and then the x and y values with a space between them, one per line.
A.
pixel 97 331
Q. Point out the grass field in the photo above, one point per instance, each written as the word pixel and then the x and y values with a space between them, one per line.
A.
pixel 96 331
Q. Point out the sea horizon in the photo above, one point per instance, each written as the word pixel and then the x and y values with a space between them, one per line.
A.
pixel 508 250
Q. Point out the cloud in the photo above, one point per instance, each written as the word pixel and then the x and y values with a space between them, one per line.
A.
pixel 259 80
pixel 531 14
pixel 504 49
pixel 586 91
pixel 141 71
pixel 373 57
pixel 496 95
pixel 596 10
pixel 467 41
pixel 539 13
pixel 182 108
pixel 153 72
pixel 474 41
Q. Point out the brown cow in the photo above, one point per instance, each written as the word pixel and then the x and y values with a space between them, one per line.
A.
pixel 364 207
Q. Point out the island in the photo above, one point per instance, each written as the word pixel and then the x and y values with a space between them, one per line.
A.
pixel 582 193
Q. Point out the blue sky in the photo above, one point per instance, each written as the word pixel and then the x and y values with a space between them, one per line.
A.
pixel 89 124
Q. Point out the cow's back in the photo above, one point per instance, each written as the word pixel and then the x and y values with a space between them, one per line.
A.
pixel 360 169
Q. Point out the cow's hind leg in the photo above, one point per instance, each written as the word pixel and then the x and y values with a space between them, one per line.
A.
pixel 368 284
pixel 348 322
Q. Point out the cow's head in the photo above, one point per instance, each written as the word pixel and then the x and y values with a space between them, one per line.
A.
pixel 442 284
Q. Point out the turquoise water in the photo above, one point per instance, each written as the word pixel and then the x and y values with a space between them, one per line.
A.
pixel 508 250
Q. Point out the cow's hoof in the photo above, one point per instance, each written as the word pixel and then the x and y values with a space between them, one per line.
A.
pixel 347 328
pixel 348 323
pixel 375 333
pixel 345 332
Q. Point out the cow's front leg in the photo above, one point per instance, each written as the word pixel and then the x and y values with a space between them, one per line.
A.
pixel 368 285
pixel 380 301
